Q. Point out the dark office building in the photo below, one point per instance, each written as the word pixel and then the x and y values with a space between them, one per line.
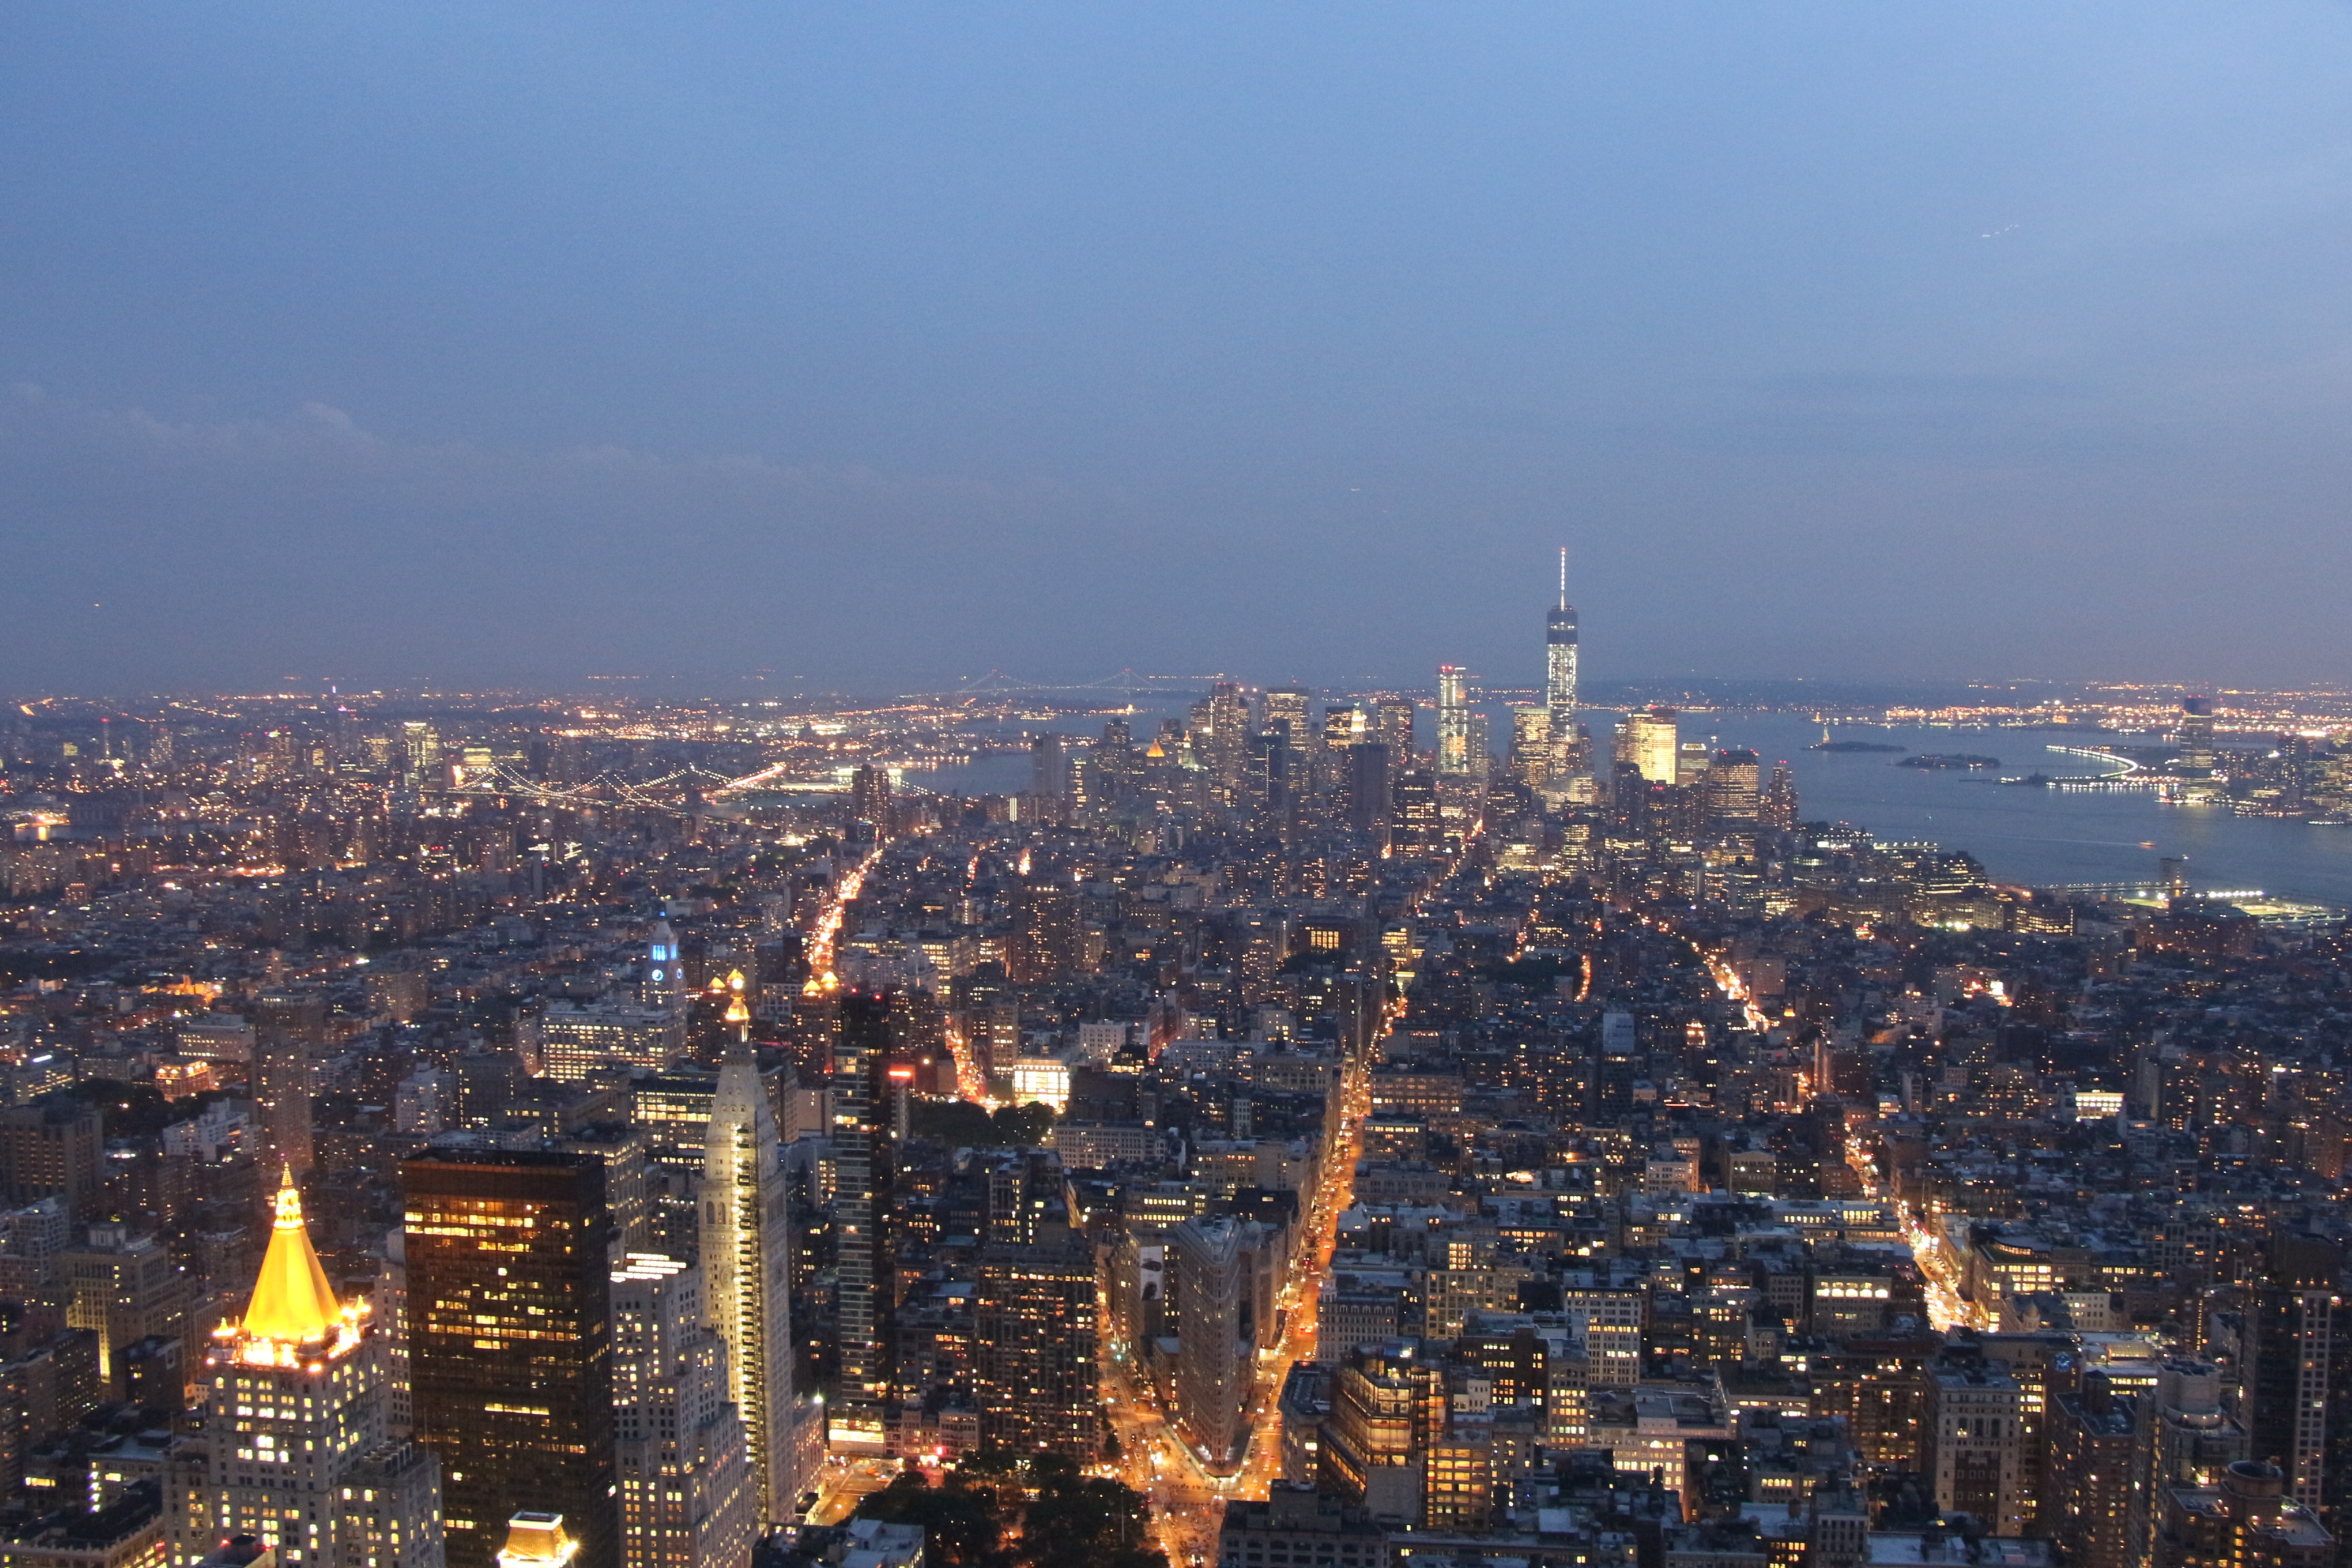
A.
pixel 54 1147
pixel 2302 1401
pixel 2092 1501
pixel 1415 827
pixel 869 799
pixel 1368 789
pixel 1033 1346
pixel 1049 776
pixel 862 1261
pixel 1045 938
pixel 287 1026
pixel 510 1349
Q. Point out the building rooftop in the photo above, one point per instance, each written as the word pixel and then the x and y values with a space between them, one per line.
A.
pixel 1894 1548
pixel 291 1300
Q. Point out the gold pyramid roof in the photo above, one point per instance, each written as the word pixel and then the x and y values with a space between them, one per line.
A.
pixel 537 1540
pixel 291 1300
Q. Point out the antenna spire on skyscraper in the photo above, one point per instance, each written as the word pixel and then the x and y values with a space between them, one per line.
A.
pixel 1560 677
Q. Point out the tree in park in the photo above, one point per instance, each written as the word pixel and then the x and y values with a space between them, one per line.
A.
pixel 1077 1520
pixel 965 1520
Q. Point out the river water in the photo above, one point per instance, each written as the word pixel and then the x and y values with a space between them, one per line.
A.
pixel 2040 836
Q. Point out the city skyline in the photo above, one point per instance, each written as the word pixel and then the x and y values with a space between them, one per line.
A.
pixel 1302 786
pixel 712 1136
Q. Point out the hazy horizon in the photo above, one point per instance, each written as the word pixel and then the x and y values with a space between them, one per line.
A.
pixel 1843 698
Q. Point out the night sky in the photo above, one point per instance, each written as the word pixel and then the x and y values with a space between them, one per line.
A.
pixel 869 344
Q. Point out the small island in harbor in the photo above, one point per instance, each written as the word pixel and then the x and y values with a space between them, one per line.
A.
pixel 1957 760
pixel 1854 746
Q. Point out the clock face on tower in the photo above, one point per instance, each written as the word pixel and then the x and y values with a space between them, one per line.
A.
pixel 657 975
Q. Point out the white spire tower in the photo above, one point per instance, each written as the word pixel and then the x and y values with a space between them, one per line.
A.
pixel 1560 672
pixel 747 1264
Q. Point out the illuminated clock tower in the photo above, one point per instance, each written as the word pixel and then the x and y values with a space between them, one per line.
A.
pixel 665 987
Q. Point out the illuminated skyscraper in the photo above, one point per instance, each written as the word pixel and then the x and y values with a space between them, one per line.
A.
pixel 510 1343
pixel 1227 750
pixel 2195 737
pixel 665 986
pixel 1286 713
pixel 1778 810
pixel 1456 742
pixel 1648 740
pixel 747 1267
pixel 1333 765
pixel 869 798
pixel 1559 669
pixel 1733 795
pixel 1531 748
pixel 1345 725
pixel 686 1489
pixel 420 756
pixel 297 1451
pixel 1383 1420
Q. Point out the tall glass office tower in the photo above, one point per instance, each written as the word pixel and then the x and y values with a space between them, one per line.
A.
pixel 1455 742
pixel 1559 668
